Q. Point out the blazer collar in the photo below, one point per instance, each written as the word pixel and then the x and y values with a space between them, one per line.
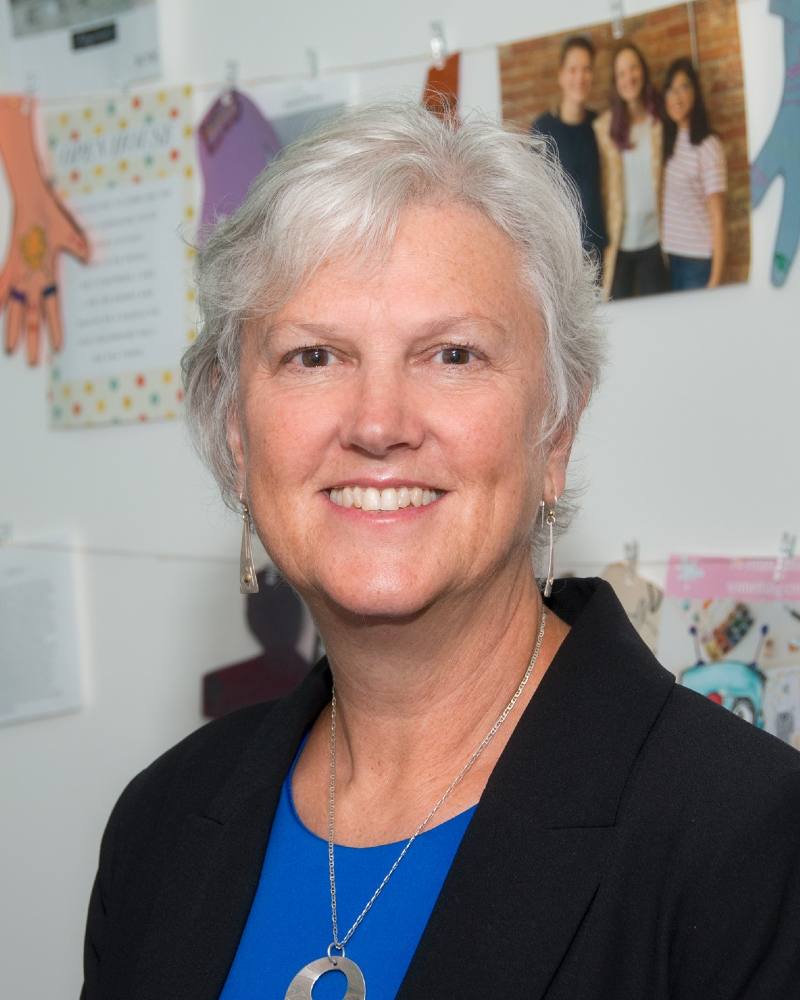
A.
pixel 528 865
pixel 534 854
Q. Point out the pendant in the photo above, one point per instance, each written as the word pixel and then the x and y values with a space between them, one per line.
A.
pixel 302 984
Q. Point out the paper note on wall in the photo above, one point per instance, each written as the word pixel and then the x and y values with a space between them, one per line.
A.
pixel 126 168
pixel 39 636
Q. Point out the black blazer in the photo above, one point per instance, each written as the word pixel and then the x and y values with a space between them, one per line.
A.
pixel 634 841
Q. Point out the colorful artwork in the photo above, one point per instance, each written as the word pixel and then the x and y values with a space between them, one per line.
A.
pixel 730 630
pixel 127 167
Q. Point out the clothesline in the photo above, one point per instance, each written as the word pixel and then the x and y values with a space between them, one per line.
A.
pixel 220 85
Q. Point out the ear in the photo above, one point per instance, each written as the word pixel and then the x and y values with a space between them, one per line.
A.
pixel 555 469
pixel 236 442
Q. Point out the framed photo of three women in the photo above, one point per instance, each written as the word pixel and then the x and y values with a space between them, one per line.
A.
pixel 651 128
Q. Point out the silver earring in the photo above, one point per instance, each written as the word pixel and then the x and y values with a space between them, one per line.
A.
pixel 248 581
pixel 550 521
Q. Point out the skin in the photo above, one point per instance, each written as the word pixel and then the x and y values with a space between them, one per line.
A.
pixel 629 81
pixel 428 615
pixel 575 80
pixel 679 102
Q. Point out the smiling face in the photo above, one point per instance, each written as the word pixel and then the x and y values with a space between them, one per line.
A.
pixel 389 417
pixel 629 76
pixel 679 99
pixel 575 75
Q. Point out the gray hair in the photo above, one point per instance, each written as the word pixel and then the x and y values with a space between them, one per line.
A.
pixel 341 190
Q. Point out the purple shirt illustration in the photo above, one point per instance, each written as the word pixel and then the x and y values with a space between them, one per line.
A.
pixel 235 142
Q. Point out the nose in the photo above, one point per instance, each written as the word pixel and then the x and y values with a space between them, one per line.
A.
pixel 383 413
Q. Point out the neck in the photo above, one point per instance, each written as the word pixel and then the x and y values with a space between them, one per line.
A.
pixel 637 111
pixel 414 699
pixel 571 112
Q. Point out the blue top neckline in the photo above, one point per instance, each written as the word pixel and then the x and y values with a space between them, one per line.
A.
pixel 464 814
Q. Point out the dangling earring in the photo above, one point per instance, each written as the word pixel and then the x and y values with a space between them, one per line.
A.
pixel 550 520
pixel 248 581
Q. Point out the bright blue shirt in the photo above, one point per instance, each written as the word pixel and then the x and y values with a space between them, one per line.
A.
pixel 290 921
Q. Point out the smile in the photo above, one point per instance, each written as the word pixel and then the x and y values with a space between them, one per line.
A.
pixel 371 498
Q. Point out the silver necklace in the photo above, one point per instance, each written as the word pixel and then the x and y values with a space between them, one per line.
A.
pixel 335 958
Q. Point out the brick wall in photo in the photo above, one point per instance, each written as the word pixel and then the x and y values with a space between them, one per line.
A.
pixel 528 72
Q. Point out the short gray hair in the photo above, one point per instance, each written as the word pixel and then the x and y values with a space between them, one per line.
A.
pixel 341 190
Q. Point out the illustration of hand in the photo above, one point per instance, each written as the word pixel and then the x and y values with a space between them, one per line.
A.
pixel 41 229
pixel 780 154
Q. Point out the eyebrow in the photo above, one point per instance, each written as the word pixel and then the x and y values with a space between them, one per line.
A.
pixel 436 326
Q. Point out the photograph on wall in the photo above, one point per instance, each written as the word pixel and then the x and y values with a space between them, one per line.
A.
pixel 730 630
pixel 125 166
pixel 651 127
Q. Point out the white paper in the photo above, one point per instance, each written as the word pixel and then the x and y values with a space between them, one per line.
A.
pixel 119 307
pixel 40 670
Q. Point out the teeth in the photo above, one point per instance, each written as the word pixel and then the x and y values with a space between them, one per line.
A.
pixel 370 498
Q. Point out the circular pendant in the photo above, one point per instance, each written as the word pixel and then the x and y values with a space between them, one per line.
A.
pixel 302 984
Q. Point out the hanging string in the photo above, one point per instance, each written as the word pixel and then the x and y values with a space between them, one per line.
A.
pixel 115 553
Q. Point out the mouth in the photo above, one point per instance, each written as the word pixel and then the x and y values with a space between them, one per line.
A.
pixel 370 498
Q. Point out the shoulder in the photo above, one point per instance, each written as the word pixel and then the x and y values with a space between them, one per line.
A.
pixel 189 774
pixel 723 807
pixel 712 152
pixel 602 123
pixel 718 768
pixel 544 123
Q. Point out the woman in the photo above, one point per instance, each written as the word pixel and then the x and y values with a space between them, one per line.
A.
pixel 480 792
pixel 629 136
pixel 569 127
pixel 693 220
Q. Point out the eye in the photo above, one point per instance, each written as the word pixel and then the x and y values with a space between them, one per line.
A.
pixel 313 357
pixel 455 355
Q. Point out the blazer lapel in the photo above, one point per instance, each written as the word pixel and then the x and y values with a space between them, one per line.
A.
pixel 533 856
pixel 199 914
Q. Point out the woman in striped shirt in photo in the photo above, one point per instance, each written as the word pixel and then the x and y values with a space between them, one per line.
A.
pixel 693 219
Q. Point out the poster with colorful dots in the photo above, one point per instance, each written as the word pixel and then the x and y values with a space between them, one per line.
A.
pixel 126 167
pixel 730 630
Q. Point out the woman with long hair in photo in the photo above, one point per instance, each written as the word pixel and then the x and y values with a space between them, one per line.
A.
pixel 693 213
pixel 629 137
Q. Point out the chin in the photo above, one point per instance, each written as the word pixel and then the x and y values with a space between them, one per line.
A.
pixel 395 597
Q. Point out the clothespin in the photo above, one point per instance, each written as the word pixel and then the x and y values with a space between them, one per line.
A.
pixel 231 79
pixel 631 550
pixel 438 44
pixel 30 93
pixel 617 18
pixel 786 551
pixel 312 57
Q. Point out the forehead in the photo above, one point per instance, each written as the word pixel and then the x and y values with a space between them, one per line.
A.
pixel 680 79
pixel 576 56
pixel 627 59
pixel 445 259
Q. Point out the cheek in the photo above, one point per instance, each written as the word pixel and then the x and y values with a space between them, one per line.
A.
pixel 496 446
pixel 281 442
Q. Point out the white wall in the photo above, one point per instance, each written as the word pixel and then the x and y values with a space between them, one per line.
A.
pixel 690 446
